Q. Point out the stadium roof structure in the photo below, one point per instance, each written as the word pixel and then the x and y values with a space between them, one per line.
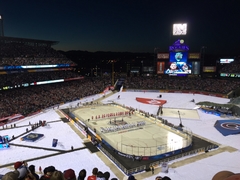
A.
pixel 35 42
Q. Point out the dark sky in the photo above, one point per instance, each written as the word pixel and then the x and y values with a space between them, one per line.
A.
pixel 125 25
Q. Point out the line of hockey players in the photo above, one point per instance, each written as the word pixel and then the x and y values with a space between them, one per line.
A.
pixel 117 114
pixel 122 127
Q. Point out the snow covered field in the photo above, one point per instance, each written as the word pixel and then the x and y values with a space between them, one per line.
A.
pixel 84 159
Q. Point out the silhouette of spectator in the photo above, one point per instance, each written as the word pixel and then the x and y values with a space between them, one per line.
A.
pixel 69 174
pixel 82 174
pixel 100 176
pixel 166 178
pixel 57 175
pixel 106 175
pixel 131 177
pixel 32 170
pixel 12 175
pixel 158 178
pixel 48 171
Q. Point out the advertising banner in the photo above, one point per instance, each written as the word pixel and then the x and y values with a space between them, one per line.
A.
pixel 160 67
pixel 163 56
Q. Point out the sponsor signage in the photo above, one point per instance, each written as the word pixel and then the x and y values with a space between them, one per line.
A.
pixel 226 60
pixel 12 118
pixel 160 67
pixel 194 56
pixel 162 56
pixel 209 69
pixel 232 75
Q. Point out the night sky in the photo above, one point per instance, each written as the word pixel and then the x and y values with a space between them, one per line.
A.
pixel 125 25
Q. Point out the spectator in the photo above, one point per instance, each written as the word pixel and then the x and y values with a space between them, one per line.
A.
pixel 158 178
pixel 106 175
pixel 131 177
pixel 166 178
pixel 13 175
pixel 82 174
pixel 226 175
pixel 100 176
pixel 48 171
pixel 57 175
pixel 29 176
pixel 94 174
pixel 21 167
pixel 69 174
pixel 32 170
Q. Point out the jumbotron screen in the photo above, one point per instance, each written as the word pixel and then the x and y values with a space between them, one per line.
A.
pixel 178 64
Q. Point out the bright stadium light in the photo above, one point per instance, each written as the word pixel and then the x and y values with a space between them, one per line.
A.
pixel 179 29
pixel 1 26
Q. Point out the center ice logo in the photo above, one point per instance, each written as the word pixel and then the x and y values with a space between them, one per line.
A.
pixel 154 102
pixel 151 101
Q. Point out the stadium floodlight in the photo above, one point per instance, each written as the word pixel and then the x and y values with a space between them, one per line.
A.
pixel 1 26
pixel 179 29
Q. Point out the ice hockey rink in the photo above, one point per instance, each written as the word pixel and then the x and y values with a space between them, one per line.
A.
pixel 131 134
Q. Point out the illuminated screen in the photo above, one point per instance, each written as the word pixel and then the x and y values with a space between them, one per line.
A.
pixel 226 60
pixel 179 29
pixel 178 64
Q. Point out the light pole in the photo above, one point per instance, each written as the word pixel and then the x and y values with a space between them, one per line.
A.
pixel 2 31
pixel 202 58
pixel 113 73
pixel 155 59
pixel 180 125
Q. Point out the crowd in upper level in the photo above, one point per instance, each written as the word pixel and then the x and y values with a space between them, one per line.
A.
pixel 15 54
pixel 16 79
pixel 233 67
pixel 209 85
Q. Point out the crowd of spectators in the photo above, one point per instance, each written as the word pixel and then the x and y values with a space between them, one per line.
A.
pixel 17 54
pixel 34 98
pixel 27 100
pixel 233 67
pixel 17 79
pixel 219 86
pixel 24 172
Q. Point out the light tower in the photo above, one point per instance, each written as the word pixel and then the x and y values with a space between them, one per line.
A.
pixel 1 24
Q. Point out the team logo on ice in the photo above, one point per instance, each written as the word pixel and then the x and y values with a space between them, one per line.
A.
pixel 151 101
pixel 231 125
